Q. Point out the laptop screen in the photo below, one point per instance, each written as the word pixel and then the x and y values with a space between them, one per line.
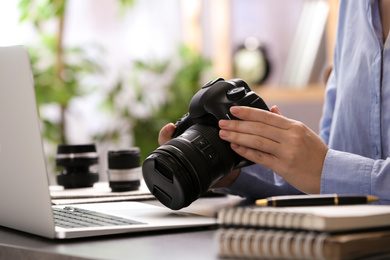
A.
pixel 24 194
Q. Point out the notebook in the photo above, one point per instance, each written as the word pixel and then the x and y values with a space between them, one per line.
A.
pixel 311 232
pixel 243 243
pixel 318 218
pixel 25 201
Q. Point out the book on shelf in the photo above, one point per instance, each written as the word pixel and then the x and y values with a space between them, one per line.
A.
pixel 306 44
pixel 315 232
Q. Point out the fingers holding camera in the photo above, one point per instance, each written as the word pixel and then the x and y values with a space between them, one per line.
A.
pixel 257 140
pixel 257 129
pixel 166 133
pixel 272 117
pixel 287 147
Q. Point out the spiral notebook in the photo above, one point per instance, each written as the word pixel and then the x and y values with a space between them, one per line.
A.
pixel 318 218
pixel 316 232
pixel 288 244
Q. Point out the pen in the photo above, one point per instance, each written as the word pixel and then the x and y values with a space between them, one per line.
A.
pixel 314 200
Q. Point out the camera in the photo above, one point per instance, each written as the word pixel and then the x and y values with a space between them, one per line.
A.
pixel 79 165
pixel 180 171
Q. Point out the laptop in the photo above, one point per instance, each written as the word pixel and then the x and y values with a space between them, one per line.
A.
pixel 25 202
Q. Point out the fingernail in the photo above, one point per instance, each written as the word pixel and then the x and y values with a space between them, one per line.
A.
pixel 223 133
pixel 223 123
pixel 234 146
pixel 235 110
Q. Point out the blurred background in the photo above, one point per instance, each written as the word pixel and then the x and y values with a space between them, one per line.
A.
pixel 113 72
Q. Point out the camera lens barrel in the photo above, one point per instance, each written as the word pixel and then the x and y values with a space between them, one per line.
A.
pixel 180 171
pixel 79 165
pixel 124 169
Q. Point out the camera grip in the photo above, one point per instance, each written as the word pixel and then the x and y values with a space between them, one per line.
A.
pixel 182 124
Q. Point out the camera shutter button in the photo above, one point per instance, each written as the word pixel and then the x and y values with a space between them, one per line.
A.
pixel 236 93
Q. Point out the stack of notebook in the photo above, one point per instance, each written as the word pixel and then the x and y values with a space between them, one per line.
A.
pixel 319 232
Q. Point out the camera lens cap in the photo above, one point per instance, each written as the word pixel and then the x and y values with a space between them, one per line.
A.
pixel 162 176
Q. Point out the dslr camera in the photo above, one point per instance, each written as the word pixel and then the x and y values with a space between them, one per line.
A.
pixel 180 171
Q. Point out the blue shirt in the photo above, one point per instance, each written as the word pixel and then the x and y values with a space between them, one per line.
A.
pixel 356 117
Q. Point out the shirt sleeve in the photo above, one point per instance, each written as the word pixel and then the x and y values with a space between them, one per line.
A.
pixel 328 108
pixel 257 182
pixel 346 173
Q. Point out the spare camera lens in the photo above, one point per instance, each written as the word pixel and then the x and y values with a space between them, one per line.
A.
pixel 124 169
pixel 79 165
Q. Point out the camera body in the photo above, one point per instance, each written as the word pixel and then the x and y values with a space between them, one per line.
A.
pixel 212 103
pixel 180 171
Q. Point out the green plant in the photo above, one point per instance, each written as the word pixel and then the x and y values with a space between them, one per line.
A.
pixel 58 70
pixel 186 80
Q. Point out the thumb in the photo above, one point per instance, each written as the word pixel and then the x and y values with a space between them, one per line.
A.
pixel 166 133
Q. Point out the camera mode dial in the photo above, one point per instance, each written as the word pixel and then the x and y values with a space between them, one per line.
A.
pixel 236 93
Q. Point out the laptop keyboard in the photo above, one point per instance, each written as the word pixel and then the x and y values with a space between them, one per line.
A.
pixel 71 217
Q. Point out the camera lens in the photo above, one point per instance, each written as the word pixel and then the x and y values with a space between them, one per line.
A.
pixel 78 164
pixel 180 171
pixel 124 169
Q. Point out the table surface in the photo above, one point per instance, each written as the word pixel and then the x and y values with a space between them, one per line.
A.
pixel 170 244
pixel 181 244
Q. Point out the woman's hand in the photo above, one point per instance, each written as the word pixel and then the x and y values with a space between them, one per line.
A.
pixel 287 147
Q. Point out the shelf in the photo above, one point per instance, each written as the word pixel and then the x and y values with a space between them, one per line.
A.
pixel 279 94
pixel 219 26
